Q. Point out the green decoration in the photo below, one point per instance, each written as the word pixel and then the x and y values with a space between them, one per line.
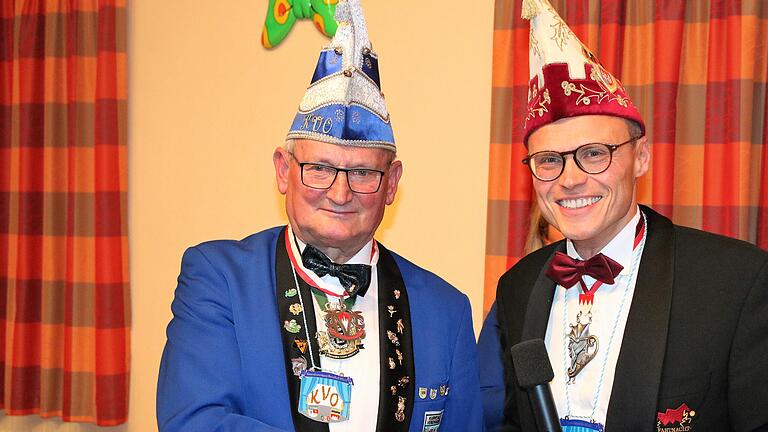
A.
pixel 282 14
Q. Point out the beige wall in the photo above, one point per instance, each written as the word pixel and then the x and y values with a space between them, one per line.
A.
pixel 208 105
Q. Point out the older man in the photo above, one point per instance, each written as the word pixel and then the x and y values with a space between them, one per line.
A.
pixel 648 325
pixel 316 326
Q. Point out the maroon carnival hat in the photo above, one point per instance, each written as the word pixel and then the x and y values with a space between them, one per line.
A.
pixel 567 80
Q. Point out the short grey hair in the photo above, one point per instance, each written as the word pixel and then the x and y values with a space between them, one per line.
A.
pixel 290 145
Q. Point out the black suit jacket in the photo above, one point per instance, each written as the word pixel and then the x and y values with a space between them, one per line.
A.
pixel 697 331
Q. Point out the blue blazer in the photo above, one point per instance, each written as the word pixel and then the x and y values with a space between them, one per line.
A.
pixel 223 366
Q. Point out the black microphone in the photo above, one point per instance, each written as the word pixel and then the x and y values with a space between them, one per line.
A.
pixel 534 372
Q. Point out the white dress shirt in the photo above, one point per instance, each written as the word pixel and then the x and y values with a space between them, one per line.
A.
pixel 587 398
pixel 364 366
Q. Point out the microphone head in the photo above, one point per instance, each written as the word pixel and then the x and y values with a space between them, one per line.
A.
pixel 531 363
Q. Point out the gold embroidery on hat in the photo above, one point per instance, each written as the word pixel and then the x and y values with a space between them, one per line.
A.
pixel 530 9
pixel 601 77
pixel 534 44
pixel 542 101
pixel 586 94
pixel 561 31
pixel 533 91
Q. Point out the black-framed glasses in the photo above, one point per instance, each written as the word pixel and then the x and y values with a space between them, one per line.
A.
pixel 359 180
pixel 592 158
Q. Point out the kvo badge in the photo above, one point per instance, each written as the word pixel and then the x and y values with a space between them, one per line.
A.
pixel 325 396
pixel 675 420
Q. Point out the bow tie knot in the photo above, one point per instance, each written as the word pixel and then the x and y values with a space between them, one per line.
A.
pixel 333 269
pixel 567 271
pixel 354 278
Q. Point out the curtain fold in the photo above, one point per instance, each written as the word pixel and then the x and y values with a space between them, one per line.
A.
pixel 64 305
pixel 697 70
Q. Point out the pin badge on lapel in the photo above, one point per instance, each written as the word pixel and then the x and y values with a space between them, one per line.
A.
pixel 298 364
pixel 432 421
pixel 673 420
pixel 300 344
pixel 295 308
pixel 422 392
pixel 432 393
pixel 393 338
pixel 292 326
pixel 400 414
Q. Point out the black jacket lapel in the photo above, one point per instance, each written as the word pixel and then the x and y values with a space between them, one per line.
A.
pixel 535 327
pixel 296 344
pixel 395 348
pixel 540 302
pixel 638 371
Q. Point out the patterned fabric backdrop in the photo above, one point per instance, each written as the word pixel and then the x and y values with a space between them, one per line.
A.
pixel 64 306
pixel 696 69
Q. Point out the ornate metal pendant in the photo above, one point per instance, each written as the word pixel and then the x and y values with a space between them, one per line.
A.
pixel 345 332
pixel 582 347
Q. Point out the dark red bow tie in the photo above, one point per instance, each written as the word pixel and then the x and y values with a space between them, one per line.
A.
pixel 567 271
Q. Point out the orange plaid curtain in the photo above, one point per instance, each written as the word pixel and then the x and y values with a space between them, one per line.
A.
pixel 698 72
pixel 64 309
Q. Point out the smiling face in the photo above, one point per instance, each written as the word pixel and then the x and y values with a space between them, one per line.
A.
pixel 590 209
pixel 335 220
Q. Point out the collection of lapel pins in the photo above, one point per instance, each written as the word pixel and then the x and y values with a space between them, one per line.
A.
pixel 392 364
pixel 433 392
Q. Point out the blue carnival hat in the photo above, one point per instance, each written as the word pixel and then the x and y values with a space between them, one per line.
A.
pixel 344 104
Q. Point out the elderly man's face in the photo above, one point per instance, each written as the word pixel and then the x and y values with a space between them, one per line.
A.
pixel 590 209
pixel 336 220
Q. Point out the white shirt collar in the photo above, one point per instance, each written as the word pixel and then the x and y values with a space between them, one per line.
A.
pixel 368 254
pixel 363 256
pixel 619 248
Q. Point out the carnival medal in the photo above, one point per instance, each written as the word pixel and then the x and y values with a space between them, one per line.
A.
pixel 345 331
pixel 325 396
pixel 582 347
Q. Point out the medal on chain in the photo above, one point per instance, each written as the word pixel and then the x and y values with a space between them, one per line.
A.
pixel 323 396
pixel 582 346
pixel 345 330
